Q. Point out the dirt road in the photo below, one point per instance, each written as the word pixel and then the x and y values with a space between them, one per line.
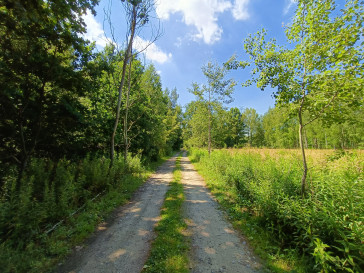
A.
pixel 215 246
pixel 123 246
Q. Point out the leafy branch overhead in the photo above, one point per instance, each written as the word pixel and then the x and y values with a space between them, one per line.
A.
pixel 324 56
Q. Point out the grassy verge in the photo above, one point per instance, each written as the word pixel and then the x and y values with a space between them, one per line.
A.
pixel 322 232
pixel 45 250
pixel 169 250
pixel 264 244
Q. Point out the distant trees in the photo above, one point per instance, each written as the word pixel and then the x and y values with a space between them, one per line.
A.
pixel 234 131
pixel 254 128
pixel 217 91
pixel 274 129
pixel 229 127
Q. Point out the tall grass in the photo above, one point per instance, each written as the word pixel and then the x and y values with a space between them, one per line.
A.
pixel 58 205
pixel 326 226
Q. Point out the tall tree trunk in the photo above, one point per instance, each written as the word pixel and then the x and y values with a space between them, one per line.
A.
pixel 210 114
pixel 300 110
pixel 304 175
pixel 125 62
pixel 343 138
pixel 126 141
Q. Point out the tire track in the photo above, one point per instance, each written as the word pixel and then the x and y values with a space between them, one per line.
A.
pixel 215 245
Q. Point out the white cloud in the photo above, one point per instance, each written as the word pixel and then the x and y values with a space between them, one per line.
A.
pixel 202 14
pixel 240 9
pixel 289 4
pixel 94 33
pixel 152 51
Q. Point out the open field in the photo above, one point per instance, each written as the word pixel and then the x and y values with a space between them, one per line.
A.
pixel 260 188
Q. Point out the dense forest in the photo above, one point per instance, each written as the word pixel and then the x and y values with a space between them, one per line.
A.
pixel 76 122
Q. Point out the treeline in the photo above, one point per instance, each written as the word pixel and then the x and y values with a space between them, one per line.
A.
pixel 275 129
pixel 58 107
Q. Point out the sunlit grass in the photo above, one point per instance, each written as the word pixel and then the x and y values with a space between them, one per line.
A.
pixel 169 250
pixel 260 190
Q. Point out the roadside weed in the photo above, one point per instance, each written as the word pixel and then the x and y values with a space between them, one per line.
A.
pixel 322 232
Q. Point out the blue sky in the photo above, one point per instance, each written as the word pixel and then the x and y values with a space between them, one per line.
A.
pixel 198 31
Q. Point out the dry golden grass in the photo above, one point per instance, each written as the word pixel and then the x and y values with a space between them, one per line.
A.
pixel 316 157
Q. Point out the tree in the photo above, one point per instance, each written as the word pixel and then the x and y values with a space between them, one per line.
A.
pixel 321 72
pixel 235 128
pixel 218 90
pixel 102 98
pixel 173 120
pixel 137 14
pixel 254 128
pixel 280 128
pixel 42 72
pixel 195 124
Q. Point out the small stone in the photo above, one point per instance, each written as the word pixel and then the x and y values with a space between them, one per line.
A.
pixel 78 248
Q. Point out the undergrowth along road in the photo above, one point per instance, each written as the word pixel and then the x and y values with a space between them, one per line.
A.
pixel 260 190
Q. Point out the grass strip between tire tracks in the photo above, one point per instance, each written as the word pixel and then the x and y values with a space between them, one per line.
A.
pixel 170 248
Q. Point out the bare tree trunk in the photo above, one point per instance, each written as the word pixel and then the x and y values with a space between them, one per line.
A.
pixel 125 62
pixel 210 114
pixel 304 175
pixel 126 141
pixel 300 120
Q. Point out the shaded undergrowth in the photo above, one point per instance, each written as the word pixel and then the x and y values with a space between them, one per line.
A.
pixel 58 206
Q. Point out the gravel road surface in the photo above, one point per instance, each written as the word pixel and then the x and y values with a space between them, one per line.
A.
pixel 215 245
pixel 123 245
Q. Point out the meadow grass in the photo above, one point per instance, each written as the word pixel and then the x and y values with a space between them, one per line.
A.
pixel 170 248
pixel 260 189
